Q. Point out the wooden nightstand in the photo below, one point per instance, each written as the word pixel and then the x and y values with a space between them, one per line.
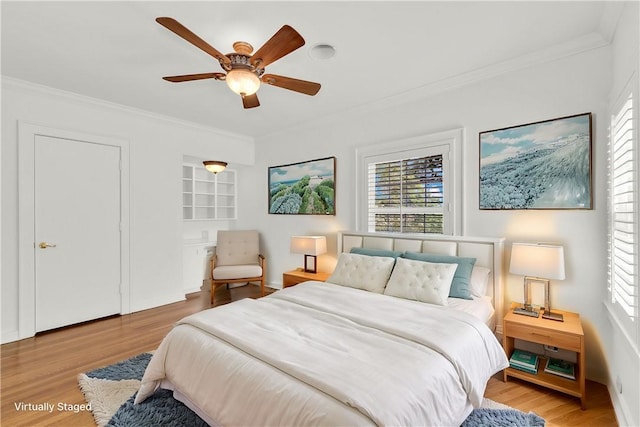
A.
pixel 567 335
pixel 293 277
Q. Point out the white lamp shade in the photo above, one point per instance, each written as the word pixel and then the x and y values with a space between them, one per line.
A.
pixel 309 245
pixel 537 260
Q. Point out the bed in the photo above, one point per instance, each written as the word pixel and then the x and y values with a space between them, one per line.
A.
pixel 378 344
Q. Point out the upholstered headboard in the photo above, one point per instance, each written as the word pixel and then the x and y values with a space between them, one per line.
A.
pixel 488 252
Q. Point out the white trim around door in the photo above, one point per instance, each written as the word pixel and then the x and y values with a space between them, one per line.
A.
pixel 27 133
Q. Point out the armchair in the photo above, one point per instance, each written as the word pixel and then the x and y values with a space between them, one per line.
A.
pixel 237 260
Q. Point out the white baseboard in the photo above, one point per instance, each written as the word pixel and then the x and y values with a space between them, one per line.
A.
pixel 9 336
pixel 621 410
pixel 157 302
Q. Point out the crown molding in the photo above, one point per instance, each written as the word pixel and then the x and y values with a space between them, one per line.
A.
pixel 611 15
pixel 572 47
pixel 28 86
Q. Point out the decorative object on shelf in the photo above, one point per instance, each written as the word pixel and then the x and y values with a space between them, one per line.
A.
pixel 311 247
pixel 214 166
pixel 537 262
pixel 541 165
pixel 304 188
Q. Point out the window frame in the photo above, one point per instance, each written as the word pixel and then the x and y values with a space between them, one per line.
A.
pixel 629 324
pixel 446 142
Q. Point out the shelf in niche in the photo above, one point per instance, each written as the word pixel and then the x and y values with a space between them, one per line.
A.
pixel 205 187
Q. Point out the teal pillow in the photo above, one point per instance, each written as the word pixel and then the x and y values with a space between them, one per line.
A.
pixel 376 252
pixel 460 286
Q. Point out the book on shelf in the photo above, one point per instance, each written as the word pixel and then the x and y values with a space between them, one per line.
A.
pixel 524 360
pixel 561 367
pixel 522 368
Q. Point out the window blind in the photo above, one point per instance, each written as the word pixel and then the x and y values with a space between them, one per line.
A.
pixel 623 206
pixel 406 195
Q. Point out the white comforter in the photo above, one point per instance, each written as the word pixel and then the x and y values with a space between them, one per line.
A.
pixel 323 354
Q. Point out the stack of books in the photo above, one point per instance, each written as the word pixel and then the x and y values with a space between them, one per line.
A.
pixel 524 361
pixel 561 367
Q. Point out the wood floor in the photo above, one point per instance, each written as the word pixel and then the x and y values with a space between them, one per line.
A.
pixel 43 369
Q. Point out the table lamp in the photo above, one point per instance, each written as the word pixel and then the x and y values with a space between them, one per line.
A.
pixel 311 247
pixel 537 262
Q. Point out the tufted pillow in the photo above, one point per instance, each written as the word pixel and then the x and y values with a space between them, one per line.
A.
pixel 370 273
pixel 421 281
pixel 460 285
pixel 376 252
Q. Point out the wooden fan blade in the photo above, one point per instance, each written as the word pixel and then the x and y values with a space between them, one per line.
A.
pixel 282 43
pixel 302 86
pixel 250 101
pixel 182 31
pixel 189 77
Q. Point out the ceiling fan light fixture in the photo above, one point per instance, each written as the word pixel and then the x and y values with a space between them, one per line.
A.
pixel 214 166
pixel 242 81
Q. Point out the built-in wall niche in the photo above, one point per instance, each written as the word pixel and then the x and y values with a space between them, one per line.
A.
pixel 208 196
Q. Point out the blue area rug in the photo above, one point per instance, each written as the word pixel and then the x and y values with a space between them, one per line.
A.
pixel 502 418
pixel 162 409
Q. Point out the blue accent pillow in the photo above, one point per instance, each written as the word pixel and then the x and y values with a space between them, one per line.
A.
pixel 376 252
pixel 460 286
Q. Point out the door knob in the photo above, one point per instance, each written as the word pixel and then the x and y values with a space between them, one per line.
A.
pixel 45 245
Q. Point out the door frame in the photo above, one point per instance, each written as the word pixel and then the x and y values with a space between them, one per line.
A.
pixel 27 133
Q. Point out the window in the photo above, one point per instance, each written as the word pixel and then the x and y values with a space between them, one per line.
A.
pixel 409 186
pixel 405 196
pixel 623 213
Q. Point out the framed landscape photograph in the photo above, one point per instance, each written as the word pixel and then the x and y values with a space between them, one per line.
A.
pixel 304 188
pixel 541 165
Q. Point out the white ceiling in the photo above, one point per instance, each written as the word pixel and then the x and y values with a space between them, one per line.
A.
pixel 115 51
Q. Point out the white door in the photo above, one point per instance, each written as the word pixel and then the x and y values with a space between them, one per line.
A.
pixel 77 231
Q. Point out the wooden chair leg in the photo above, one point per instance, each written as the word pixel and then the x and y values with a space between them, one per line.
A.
pixel 262 287
pixel 214 286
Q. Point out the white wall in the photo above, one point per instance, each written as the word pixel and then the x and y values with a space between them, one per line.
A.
pixel 622 355
pixel 157 146
pixel 576 84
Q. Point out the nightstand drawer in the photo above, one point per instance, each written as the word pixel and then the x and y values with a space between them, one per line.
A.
pixel 543 336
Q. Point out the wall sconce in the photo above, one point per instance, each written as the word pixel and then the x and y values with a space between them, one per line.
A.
pixel 214 166
pixel 538 262
pixel 311 247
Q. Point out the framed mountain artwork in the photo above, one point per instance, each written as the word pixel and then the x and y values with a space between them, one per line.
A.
pixel 541 165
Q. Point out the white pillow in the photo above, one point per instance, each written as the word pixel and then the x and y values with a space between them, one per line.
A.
pixel 370 273
pixel 479 280
pixel 421 281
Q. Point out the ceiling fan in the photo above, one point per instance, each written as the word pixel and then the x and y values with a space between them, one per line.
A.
pixel 244 70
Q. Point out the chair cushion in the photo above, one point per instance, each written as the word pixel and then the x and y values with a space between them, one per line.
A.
pixel 237 247
pixel 225 272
